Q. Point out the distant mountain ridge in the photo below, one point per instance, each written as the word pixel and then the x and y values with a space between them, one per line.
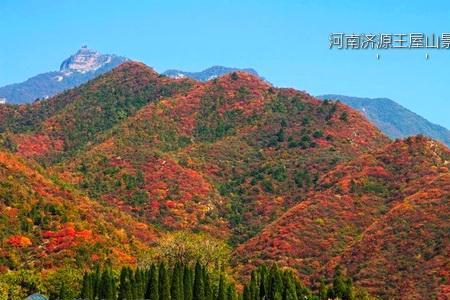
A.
pixel 393 119
pixel 208 74
pixel 84 65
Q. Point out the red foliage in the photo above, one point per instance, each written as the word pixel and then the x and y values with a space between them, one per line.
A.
pixel 19 241
pixel 388 228
pixel 66 237
pixel 37 145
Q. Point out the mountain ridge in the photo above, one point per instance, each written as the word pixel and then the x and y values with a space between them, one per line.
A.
pixel 393 119
pixel 80 67
pixel 207 74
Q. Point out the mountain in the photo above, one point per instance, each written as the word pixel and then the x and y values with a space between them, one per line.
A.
pixel 274 172
pixel 207 74
pixel 384 216
pixel 45 224
pixel 79 68
pixel 393 119
pixel 279 141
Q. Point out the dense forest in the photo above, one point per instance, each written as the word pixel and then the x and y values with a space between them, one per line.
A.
pixel 134 178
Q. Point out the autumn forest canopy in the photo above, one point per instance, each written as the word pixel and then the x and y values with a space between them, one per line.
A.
pixel 140 186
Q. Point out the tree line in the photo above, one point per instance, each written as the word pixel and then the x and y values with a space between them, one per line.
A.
pixel 183 282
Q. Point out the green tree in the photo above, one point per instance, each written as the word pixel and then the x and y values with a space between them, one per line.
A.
pixel 323 289
pixel 253 289
pixel 199 289
pixel 125 288
pixel 87 288
pixel 152 288
pixel 107 288
pixel 176 290
pixel 164 283
pixel 221 293
pixel 275 291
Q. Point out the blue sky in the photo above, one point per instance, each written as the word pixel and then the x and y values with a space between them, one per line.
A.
pixel 286 41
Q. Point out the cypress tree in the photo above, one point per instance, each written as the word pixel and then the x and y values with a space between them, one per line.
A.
pixel 350 292
pixel 131 283
pixel 63 292
pixel 199 289
pixel 152 289
pixel 175 288
pixel 164 284
pixel 221 293
pixel 246 295
pixel 323 289
pixel 139 284
pixel 125 289
pixel 87 289
pixel 231 293
pixel 275 291
pixel 262 289
pixel 253 288
pixel 96 277
pixel 107 289
pixel 209 294
pixel 339 285
pixel 289 290
pixel 187 283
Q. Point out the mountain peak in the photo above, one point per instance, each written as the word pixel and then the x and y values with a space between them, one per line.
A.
pixel 208 74
pixel 85 60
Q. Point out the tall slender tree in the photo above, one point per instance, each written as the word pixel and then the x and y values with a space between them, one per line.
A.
pixel 152 288
pixel 199 289
pixel 222 291
pixel 164 283
pixel 175 287
pixel 187 283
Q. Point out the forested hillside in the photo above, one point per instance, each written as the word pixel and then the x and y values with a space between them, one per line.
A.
pixel 134 167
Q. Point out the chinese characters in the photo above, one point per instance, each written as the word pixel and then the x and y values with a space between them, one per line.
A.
pixel 389 41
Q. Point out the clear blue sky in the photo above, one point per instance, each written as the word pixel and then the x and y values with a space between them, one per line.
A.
pixel 285 41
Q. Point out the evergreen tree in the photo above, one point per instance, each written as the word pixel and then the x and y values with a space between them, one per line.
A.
pixel 187 283
pixel 63 293
pixel 87 289
pixel 152 288
pixel 289 291
pixel 221 293
pixel 106 287
pixel 96 277
pixel 323 289
pixel 275 290
pixel 231 293
pixel 125 288
pixel 199 289
pixel 176 290
pixel 164 283
pixel 139 284
pixel 209 293
pixel 254 287
pixel 339 287
pixel 246 294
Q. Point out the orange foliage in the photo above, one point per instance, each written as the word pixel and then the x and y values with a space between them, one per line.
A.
pixel 19 241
